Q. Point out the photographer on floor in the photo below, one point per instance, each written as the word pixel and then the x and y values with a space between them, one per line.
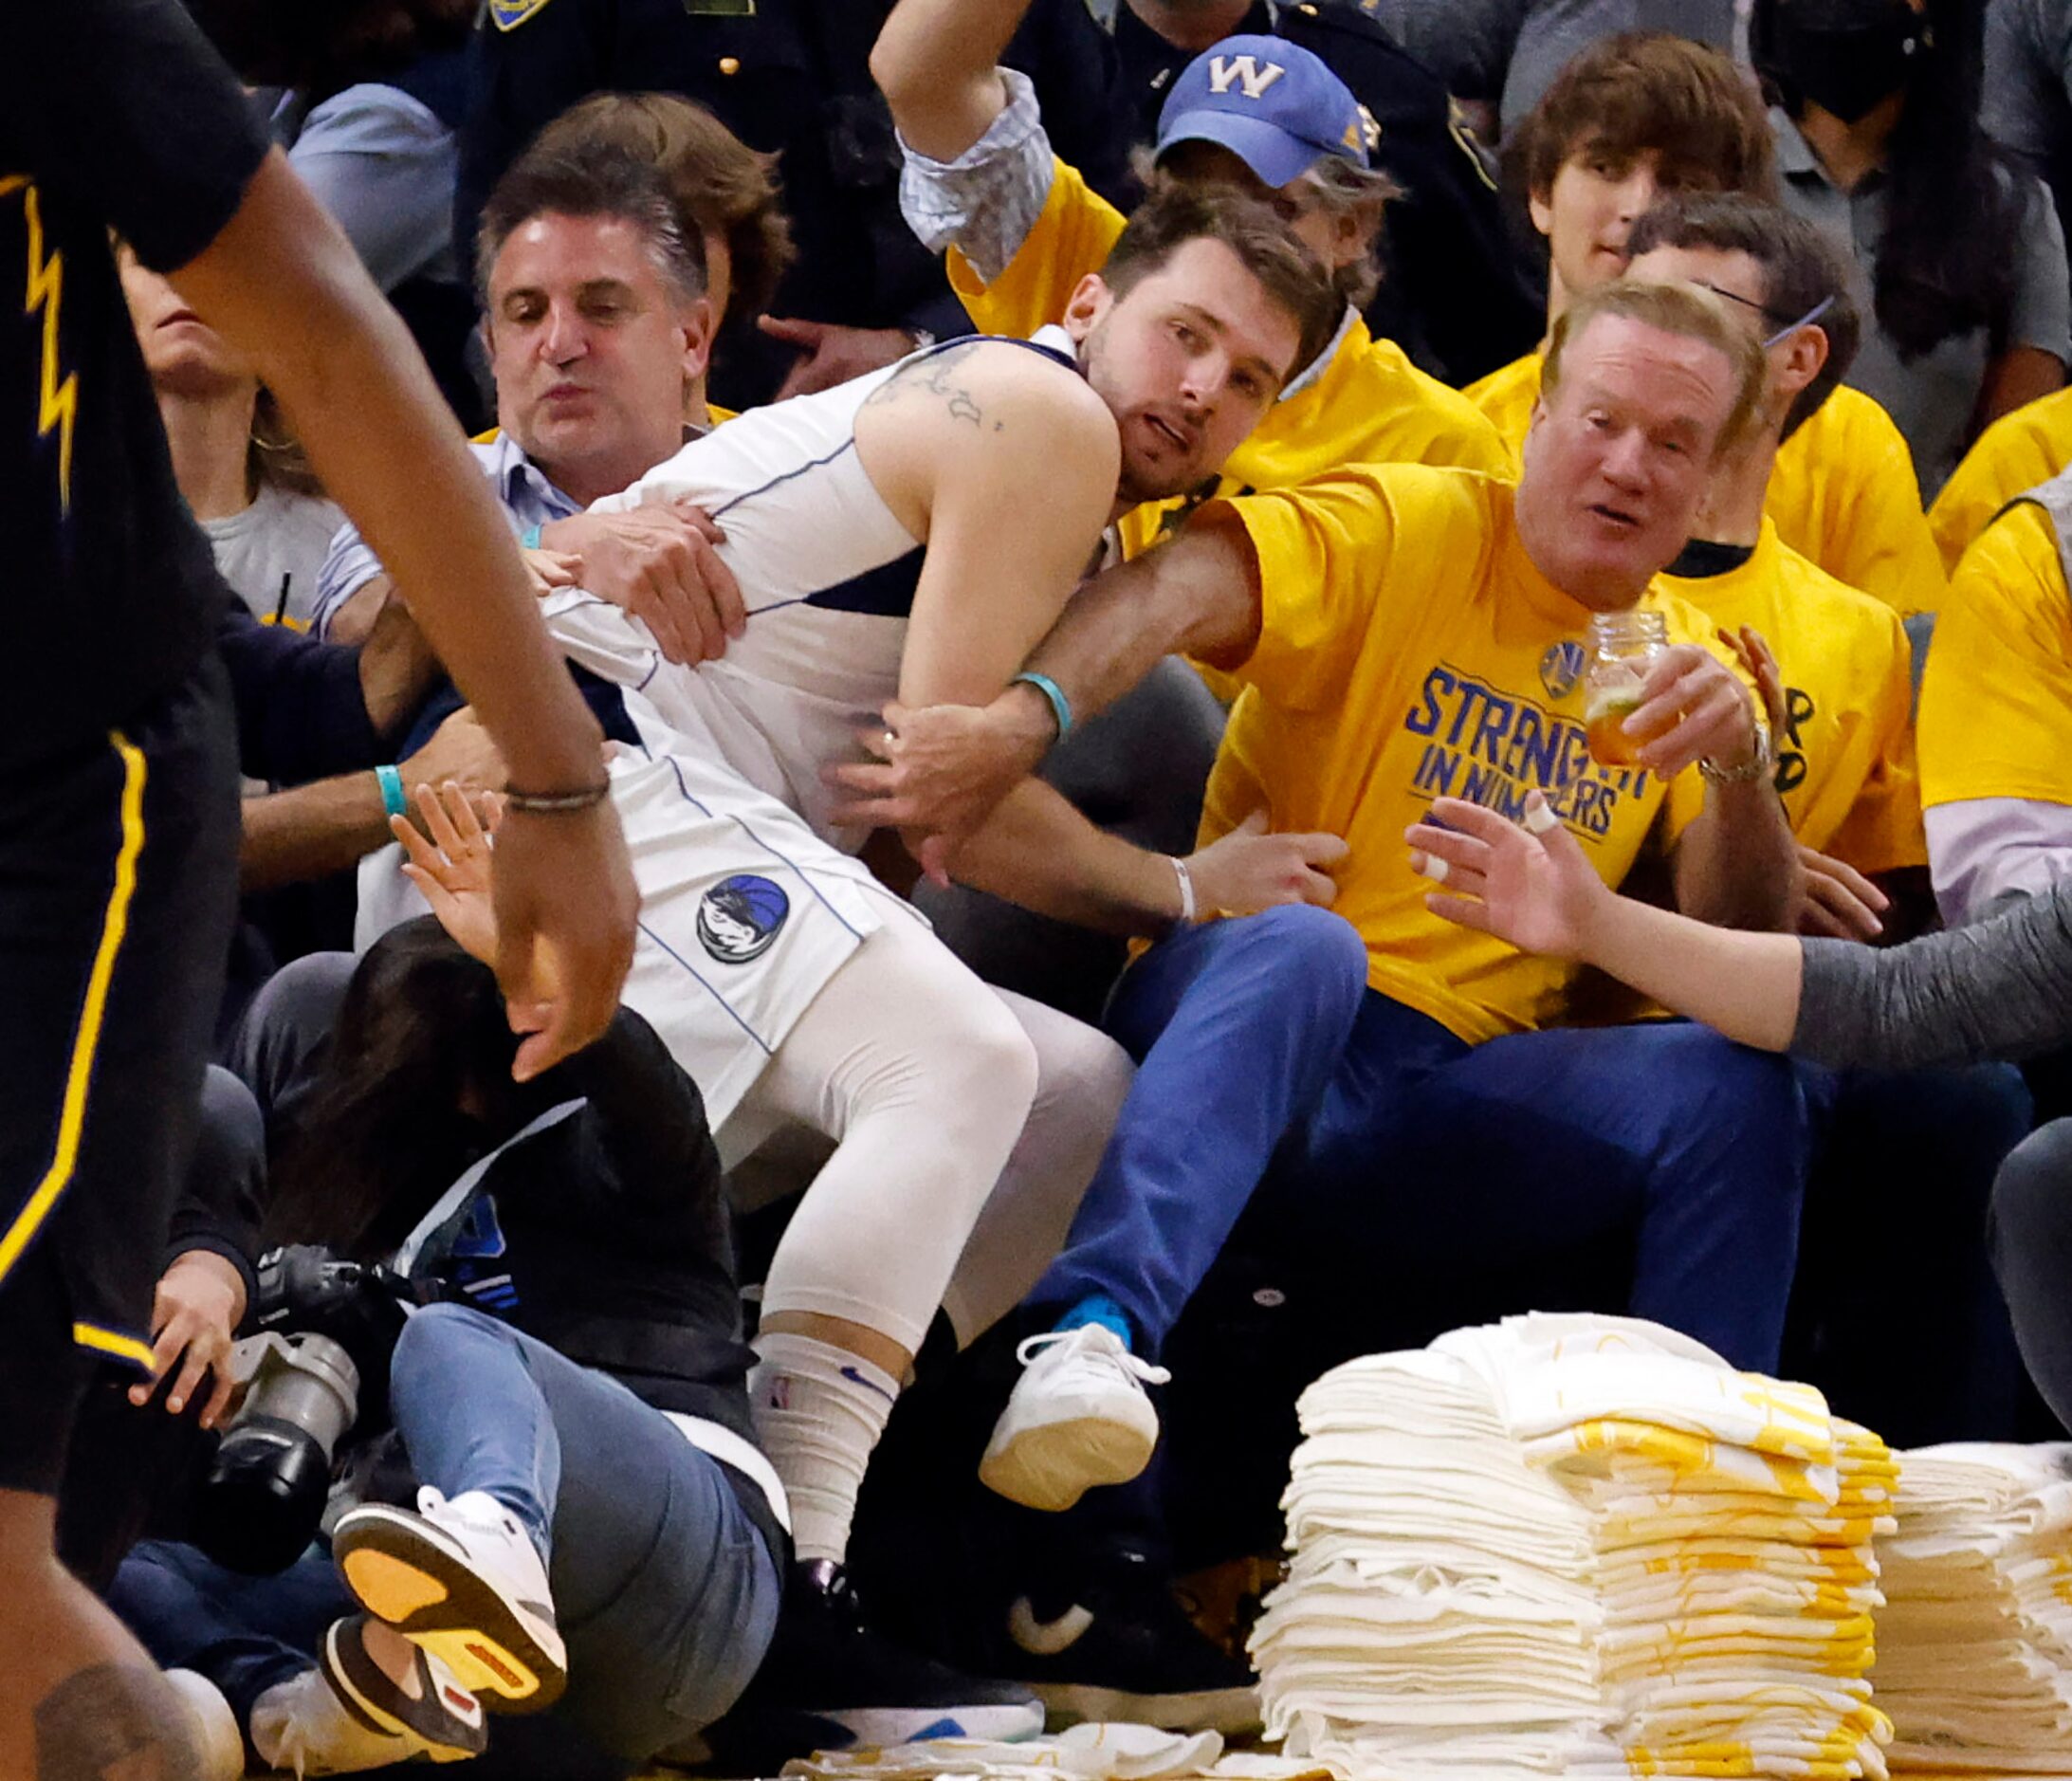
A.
pixel 592 1512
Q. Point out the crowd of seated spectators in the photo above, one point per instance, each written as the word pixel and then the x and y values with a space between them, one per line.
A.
pixel 1442 724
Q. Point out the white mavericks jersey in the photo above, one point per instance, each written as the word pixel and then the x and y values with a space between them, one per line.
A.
pixel 744 912
pixel 827 575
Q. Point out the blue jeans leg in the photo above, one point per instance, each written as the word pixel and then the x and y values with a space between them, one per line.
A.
pixel 245 1634
pixel 663 1587
pixel 1661 1154
pixel 1237 1026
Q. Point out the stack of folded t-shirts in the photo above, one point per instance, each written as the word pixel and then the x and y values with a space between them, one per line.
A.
pixel 1576 1546
pixel 1975 1643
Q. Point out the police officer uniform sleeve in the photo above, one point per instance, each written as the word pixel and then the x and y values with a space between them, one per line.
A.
pixel 124 108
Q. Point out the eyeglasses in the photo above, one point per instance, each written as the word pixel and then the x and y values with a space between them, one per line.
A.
pixel 1789 328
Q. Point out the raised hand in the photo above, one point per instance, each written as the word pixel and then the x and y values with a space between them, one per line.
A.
pixel 449 859
pixel 1533 887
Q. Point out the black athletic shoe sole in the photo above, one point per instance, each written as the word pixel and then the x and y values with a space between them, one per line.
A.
pixel 403 1573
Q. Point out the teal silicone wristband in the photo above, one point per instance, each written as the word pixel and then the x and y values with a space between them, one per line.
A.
pixel 530 537
pixel 393 799
pixel 1060 705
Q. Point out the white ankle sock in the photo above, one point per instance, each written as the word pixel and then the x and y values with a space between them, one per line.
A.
pixel 818 1412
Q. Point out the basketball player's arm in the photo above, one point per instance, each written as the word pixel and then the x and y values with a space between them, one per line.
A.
pixel 937 63
pixel 286 289
pixel 944 767
pixel 1014 459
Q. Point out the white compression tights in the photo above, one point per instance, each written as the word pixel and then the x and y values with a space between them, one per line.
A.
pixel 924 1079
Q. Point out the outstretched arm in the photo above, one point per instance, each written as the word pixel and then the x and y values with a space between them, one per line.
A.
pixel 1535 887
pixel 1998 989
pixel 1038 851
pixel 937 64
pixel 943 768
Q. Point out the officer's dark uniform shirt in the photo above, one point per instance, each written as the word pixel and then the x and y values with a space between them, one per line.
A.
pixel 788 77
pixel 1455 294
pixel 113 113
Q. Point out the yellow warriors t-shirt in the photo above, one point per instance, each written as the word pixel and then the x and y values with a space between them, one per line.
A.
pixel 1845 764
pixel 1409 649
pixel 1365 403
pixel 2012 456
pixel 1996 701
pixel 1844 492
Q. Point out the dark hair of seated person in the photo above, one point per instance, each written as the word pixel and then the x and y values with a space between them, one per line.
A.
pixel 723 186
pixel 416 1086
pixel 1648 93
pixel 1175 212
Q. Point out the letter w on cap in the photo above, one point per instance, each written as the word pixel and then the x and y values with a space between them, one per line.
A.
pixel 1254 79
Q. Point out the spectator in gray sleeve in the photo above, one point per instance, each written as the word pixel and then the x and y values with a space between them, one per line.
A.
pixel 2026 105
pixel 1879 144
pixel 1504 54
pixel 2000 988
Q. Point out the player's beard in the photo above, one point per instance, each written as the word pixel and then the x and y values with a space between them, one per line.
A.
pixel 1132 486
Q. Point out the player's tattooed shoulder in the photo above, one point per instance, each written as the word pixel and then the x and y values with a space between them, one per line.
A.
pixel 940 377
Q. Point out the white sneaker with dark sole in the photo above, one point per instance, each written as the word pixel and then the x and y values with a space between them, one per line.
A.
pixel 462 1581
pixel 1077 1417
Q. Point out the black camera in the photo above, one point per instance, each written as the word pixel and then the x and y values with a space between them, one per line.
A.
pixel 315 1367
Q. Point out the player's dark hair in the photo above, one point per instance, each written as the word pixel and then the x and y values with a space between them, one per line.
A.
pixel 591 179
pixel 322 45
pixel 1642 92
pixel 721 186
pixel 1175 212
pixel 1953 208
pixel 422 1031
pixel 1801 270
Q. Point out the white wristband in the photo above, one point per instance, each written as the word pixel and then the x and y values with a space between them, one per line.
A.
pixel 1187 890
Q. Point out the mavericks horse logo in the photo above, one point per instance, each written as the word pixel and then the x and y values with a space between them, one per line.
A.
pixel 739 919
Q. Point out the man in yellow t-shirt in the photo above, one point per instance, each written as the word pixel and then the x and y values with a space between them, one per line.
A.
pixel 1845 765
pixel 1402 632
pixel 1022 228
pixel 2014 455
pixel 1996 713
pixel 1613 133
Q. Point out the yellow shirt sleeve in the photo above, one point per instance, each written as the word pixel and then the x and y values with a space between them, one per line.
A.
pixel 1996 703
pixel 2012 456
pixel 1070 238
pixel 1323 551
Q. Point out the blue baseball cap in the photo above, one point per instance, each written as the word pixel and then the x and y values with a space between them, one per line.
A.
pixel 1271 102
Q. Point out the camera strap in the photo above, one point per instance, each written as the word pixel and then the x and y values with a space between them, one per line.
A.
pixel 432 1242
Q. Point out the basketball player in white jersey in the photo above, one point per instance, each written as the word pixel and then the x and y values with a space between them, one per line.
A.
pixel 791 986
pixel 912 534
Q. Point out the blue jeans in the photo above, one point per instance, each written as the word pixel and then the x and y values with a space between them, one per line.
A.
pixel 663 1587
pixel 1237 1028
pixel 1660 1163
